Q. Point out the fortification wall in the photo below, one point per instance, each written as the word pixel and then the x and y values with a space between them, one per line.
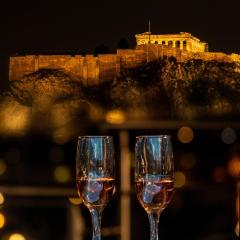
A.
pixel 90 70
pixel 93 70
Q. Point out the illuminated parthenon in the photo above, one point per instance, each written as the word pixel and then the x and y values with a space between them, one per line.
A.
pixel 183 40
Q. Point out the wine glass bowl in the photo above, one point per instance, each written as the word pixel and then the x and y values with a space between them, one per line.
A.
pixel 95 175
pixel 154 176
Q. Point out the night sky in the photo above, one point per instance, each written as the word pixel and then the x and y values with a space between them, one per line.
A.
pixel 80 26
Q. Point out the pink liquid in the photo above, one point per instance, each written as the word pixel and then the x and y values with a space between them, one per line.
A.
pixel 154 195
pixel 95 193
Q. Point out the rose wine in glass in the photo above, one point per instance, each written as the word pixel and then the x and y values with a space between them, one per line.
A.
pixel 154 176
pixel 95 176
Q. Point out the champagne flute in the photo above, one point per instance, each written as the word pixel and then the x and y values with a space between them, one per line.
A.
pixel 95 176
pixel 154 176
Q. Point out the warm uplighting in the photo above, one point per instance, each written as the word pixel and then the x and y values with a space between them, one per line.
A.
pixel 185 134
pixel 3 167
pixel 62 174
pixel 115 117
pixel 228 135
pixel 188 161
pixel 16 236
pixel 179 179
pixel 75 201
pixel 2 220
pixel 1 199
pixel 234 166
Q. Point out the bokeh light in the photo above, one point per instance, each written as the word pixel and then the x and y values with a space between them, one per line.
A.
pixel 2 220
pixel 14 118
pixel 234 166
pixel 185 134
pixel 75 200
pixel 115 117
pixel 228 135
pixel 3 167
pixel 62 174
pixel 1 198
pixel 188 161
pixel 56 154
pixel 179 179
pixel 16 236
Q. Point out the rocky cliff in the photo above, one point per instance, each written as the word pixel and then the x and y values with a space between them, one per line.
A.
pixel 161 89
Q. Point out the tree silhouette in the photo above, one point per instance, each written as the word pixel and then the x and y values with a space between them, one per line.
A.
pixel 101 49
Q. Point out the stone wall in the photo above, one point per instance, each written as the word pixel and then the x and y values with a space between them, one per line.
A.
pixel 92 70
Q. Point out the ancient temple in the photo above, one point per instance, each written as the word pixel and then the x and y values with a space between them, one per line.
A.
pixel 183 40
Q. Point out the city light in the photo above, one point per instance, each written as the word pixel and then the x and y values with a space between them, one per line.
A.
pixel 234 166
pixel 179 179
pixel 228 135
pixel 115 117
pixel 16 236
pixel 2 220
pixel 14 118
pixel 185 134
pixel 75 200
pixel 62 174
pixel 1 199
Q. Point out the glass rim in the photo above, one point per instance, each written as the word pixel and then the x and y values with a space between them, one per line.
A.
pixel 95 136
pixel 154 136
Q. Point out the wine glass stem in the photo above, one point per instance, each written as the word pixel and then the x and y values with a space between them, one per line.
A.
pixel 96 223
pixel 153 220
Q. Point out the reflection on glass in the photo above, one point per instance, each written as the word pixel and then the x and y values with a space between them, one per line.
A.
pixel 95 175
pixel 154 176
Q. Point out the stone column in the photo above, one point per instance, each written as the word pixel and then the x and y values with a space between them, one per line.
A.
pixel 181 45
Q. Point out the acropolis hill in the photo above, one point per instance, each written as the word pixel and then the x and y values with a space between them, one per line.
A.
pixel 93 70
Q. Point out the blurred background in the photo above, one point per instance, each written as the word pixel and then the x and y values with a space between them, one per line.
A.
pixel 39 199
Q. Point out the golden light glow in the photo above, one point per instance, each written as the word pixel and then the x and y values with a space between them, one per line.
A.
pixel 60 116
pixel 75 201
pixel 17 236
pixel 115 117
pixel 1 199
pixel 14 118
pixel 234 166
pixel 188 161
pixel 2 220
pixel 62 174
pixel 185 134
pixel 228 135
pixel 3 167
pixel 179 179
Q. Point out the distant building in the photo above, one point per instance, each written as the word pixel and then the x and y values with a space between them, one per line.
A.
pixel 93 70
pixel 183 40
